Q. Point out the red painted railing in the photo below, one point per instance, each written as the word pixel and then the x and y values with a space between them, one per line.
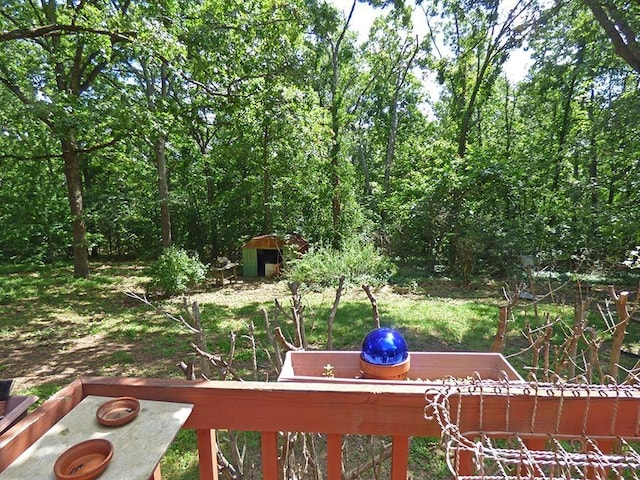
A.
pixel 336 410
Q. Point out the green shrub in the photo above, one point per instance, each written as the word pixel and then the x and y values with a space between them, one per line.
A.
pixel 7 295
pixel 633 258
pixel 176 272
pixel 360 263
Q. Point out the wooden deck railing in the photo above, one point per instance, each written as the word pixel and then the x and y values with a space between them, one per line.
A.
pixel 397 411
pixel 267 408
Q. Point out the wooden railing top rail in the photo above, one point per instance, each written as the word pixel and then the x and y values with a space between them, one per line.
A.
pixel 306 407
pixel 251 406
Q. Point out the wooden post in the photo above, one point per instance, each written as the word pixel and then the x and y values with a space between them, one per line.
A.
pixel 503 321
pixel 620 330
pixel 269 442
pixel 464 462
pixel 334 456
pixel 399 457
pixel 207 454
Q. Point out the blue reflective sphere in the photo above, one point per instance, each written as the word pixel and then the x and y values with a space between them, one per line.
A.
pixel 384 346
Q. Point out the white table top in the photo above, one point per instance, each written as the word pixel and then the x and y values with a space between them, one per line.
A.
pixel 138 446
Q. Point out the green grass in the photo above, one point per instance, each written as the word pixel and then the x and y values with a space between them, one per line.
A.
pixel 54 328
pixel 181 461
pixel 427 455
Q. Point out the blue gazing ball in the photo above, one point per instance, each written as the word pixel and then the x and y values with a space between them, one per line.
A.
pixel 384 346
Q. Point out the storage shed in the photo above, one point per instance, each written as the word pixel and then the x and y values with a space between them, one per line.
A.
pixel 263 256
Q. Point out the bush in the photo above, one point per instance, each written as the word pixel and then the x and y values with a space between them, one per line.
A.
pixel 361 264
pixel 633 258
pixel 176 272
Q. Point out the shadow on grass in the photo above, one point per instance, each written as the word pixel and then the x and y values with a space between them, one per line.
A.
pixel 54 328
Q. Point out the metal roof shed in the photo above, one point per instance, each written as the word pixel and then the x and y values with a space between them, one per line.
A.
pixel 263 256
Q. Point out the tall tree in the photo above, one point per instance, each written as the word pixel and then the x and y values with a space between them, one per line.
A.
pixel 337 77
pixel 572 124
pixel 621 22
pixel 250 113
pixel 33 226
pixel 51 54
pixel 480 35
pixel 393 52
pixel 157 92
pixel 154 77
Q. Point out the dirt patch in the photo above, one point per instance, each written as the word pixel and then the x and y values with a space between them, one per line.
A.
pixel 237 293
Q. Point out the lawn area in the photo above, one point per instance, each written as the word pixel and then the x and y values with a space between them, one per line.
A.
pixel 54 328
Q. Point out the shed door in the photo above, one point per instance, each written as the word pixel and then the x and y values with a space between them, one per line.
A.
pixel 250 262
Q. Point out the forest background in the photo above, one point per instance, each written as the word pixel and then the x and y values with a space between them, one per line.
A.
pixel 130 126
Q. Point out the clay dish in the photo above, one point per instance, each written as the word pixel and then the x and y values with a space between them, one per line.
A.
pixel 118 411
pixel 84 461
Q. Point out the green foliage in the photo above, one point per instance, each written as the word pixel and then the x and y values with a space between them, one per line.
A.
pixel 268 129
pixel 7 295
pixel 633 258
pixel 360 262
pixel 428 456
pixel 176 272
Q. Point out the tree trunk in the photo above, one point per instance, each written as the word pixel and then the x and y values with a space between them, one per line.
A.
pixel 508 127
pixel 74 192
pixel 465 124
pixel 365 170
pixel 618 30
pixel 334 154
pixel 336 124
pixel 391 142
pixel 593 154
pixel 393 127
pixel 159 148
pixel 267 192
pixel 566 118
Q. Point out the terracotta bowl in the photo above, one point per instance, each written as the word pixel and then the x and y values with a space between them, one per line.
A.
pixel 118 411
pixel 385 372
pixel 84 461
